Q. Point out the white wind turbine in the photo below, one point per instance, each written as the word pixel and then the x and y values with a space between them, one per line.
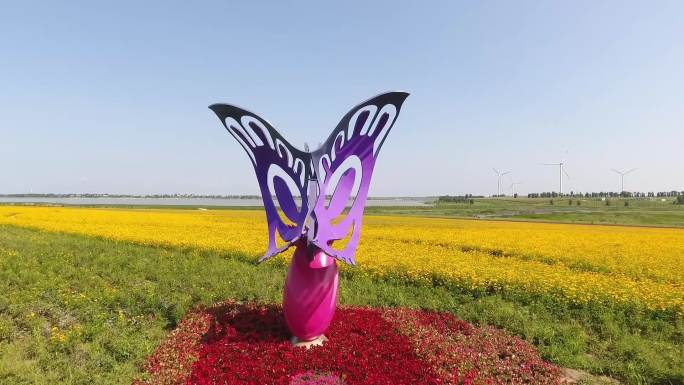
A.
pixel 498 180
pixel 513 184
pixel 561 171
pixel 622 177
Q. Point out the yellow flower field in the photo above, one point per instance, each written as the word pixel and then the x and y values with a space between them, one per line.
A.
pixel 577 263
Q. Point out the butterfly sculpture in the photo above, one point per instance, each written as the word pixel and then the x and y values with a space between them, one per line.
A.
pixel 312 190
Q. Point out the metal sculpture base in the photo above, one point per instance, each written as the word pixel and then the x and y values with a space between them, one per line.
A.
pixel 318 341
pixel 310 293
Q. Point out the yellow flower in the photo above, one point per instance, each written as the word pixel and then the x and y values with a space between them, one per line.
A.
pixel 575 263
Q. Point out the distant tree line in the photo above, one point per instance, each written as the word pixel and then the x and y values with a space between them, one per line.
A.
pixel 467 198
pixel 608 194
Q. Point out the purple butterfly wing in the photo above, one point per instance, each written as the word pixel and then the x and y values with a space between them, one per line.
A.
pixel 343 167
pixel 282 170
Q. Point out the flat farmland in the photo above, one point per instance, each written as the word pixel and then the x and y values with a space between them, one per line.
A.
pixel 606 299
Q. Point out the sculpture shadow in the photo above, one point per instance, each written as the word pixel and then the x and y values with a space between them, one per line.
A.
pixel 238 322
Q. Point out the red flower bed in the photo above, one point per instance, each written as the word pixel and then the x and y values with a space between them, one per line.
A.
pixel 248 344
pixel 472 355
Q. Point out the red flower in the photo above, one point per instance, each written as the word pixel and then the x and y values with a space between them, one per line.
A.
pixel 248 344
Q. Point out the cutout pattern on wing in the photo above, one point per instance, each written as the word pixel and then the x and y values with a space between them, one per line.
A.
pixel 282 170
pixel 343 167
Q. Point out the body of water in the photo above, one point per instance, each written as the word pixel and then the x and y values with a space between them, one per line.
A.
pixel 419 201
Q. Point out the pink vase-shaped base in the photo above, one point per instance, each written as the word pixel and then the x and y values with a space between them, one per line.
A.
pixel 310 294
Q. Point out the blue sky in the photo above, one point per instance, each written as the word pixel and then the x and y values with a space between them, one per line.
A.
pixel 113 97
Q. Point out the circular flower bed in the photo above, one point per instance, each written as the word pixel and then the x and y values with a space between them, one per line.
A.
pixel 234 343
